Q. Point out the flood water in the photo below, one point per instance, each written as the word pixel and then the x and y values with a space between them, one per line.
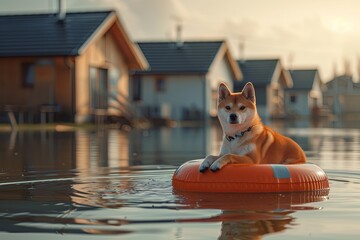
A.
pixel 114 184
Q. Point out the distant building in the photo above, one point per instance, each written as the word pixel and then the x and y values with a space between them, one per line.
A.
pixel 342 96
pixel 182 82
pixel 73 64
pixel 304 98
pixel 269 79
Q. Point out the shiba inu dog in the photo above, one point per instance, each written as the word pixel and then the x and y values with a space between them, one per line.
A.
pixel 246 139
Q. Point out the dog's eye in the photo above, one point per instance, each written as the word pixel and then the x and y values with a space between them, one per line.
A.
pixel 242 108
pixel 227 107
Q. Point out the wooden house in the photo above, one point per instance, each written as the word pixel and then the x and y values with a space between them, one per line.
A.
pixel 304 99
pixel 183 78
pixel 269 79
pixel 75 64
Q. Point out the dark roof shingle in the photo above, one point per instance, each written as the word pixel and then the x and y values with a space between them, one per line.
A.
pixel 169 57
pixel 303 79
pixel 44 35
pixel 259 72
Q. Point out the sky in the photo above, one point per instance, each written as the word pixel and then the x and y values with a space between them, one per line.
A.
pixel 322 34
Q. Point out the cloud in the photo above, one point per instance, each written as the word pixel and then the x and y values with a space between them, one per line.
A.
pixel 143 19
pixel 239 28
pixel 154 19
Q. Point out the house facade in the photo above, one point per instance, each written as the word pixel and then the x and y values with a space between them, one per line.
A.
pixel 269 79
pixel 305 98
pixel 342 97
pixel 74 66
pixel 183 79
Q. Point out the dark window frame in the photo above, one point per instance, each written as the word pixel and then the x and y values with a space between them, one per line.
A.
pixel 28 74
pixel 160 84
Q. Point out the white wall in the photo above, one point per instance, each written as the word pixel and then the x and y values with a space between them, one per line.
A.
pixel 219 72
pixel 180 92
pixel 187 91
pixel 301 107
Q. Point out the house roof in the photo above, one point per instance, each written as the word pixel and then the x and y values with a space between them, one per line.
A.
pixel 356 85
pixel 303 79
pixel 258 71
pixel 192 57
pixel 45 35
pixel 261 72
pixel 341 78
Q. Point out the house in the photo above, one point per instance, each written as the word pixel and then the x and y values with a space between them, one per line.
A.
pixel 269 79
pixel 182 82
pixel 342 96
pixel 75 64
pixel 304 99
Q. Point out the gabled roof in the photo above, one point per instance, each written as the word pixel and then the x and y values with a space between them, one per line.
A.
pixel 303 79
pixel 341 78
pixel 356 84
pixel 193 57
pixel 45 35
pixel 259 72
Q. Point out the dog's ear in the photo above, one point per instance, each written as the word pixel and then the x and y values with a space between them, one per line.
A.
pixel 249 92
pixel 224 92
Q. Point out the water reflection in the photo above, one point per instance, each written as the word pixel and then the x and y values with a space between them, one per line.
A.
pixel 172 145
pixel 251 215
pixel 117 182
pixel 27 151
pixel 124 202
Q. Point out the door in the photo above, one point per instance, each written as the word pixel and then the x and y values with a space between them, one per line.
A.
pixel 98 88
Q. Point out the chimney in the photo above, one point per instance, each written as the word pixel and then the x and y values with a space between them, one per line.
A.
pixel 242 51
pixel 179 41
pixel 61 10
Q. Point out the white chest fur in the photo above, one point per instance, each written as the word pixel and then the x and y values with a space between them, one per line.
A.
pixel 239 146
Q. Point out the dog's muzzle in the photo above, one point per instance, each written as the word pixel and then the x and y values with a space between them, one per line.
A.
pixel 233 118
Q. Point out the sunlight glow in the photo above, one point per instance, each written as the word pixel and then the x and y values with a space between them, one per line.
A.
pixel 339 25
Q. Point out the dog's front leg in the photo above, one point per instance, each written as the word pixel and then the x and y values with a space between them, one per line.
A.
pixel 220 162
pixel 208 161
pixel 229 158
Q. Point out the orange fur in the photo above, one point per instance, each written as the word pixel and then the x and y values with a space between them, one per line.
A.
pixel 246 139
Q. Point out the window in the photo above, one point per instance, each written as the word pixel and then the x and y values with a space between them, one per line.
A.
pixel 98 88
pixel 137 88
pixel 159 85
pixel 28 75
pixel 276 92
pixel 293 98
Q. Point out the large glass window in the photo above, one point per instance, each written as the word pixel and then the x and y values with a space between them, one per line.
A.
pixel 98 88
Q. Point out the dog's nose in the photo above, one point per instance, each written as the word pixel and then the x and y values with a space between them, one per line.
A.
pixel 233 117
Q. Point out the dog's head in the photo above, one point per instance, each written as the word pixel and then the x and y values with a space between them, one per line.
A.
pixel 236 110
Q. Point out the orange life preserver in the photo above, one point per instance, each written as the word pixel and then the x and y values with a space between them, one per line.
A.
pixel 246 178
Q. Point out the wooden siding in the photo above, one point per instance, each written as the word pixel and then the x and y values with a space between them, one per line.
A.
pixel 103 53
pixel 53 78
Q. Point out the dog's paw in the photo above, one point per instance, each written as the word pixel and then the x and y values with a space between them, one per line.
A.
pixel 208 161
pixel 203 166
pixel 216 166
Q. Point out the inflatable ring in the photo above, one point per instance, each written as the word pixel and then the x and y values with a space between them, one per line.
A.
pixel 250 178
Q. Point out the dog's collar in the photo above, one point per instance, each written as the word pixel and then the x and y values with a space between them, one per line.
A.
pixel 230 138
